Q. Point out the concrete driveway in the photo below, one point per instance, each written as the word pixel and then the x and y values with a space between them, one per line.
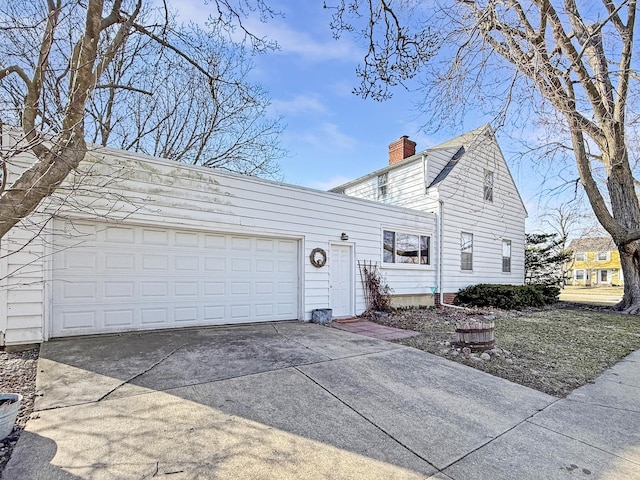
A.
pixel 302 401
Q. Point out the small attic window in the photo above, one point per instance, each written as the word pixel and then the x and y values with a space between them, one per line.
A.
pixel 488 185
pixel 382 184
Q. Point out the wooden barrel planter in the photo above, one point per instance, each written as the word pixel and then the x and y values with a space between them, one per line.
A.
pixel 477 335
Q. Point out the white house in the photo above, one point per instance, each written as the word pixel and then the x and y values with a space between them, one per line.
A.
pixel 131 242
pixel 466 182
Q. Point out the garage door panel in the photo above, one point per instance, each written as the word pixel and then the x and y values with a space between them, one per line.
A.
pixel 265 266
pixel 119 234
pixel 185 314
pixel 154 317
pixel 186 264
pixel 120 318
pixel 214 288
pixel 184 239
pixel 85 260
pixel 154 237
pixel 186 289
pixel 168 278
pixel 214 312
pixel 215 264
pixel 155 263
pixel 154 289
pixel 242 244
pixel 79 319
pixel 119 262
pixel 119 290
pixel 285 309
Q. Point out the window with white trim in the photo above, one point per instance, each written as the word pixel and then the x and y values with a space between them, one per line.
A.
pixel 466 251
pixel 579 274
pixel 602 256
pixel 506 256
pixel 580 257
pixel 383 180
pixel 407 248
pixel 488 185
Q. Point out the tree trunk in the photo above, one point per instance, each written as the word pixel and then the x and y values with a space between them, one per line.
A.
pixel 630 262
pixel 626 210
pixel 39 181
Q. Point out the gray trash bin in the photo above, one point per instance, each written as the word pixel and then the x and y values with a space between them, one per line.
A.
pixel 321 315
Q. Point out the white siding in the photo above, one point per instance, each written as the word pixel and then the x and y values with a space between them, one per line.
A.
pixel 465 210
pixel 22 286
pixel 141 190
pixel 464 207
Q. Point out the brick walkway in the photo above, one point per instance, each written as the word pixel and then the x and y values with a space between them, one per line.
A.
pixel 371 329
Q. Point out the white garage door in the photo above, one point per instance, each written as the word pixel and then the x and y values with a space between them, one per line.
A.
pixel 118 278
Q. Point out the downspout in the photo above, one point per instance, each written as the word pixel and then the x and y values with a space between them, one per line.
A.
pixel 441 255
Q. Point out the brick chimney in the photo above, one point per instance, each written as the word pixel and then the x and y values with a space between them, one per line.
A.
pixel 401 149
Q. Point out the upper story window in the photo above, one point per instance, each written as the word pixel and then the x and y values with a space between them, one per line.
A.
pixel 466 251
pixel 488 185
pixel 602 256
pixel 580 257
pixel 400 247
pixel 506 256
pixel 383 179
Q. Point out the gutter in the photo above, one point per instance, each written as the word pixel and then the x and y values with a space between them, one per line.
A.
pixel 439 280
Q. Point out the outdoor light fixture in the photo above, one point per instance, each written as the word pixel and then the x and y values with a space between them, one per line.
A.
pixel 344 236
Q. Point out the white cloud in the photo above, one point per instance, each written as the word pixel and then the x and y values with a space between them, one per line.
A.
pixel 298 105
pixel 300 43
pixel 329 184
pixel 328 137
pixel 290 40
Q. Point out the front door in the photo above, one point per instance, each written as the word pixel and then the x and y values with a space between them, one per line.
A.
pixel 341 280
pixel 604 276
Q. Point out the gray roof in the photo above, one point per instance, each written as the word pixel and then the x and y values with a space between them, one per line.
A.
pixel 454 144
pixel 593 244
pixel 448 167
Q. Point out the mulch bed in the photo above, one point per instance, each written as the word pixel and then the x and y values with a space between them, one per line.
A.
pixel 18 374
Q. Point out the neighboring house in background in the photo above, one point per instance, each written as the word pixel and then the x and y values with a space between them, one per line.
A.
pixel 481 217
pixel 596 261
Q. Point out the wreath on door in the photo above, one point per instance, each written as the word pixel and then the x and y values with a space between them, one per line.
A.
pixel 318 257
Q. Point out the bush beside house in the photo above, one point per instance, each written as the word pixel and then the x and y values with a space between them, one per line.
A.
pixel 507 297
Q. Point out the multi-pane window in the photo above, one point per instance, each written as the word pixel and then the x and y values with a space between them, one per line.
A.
pixel 466 251
pixel 399 247
pixel 488 185
pixel 602 256
pixel 383 179
pixel 506 256
pixel 581 257
pixel 579 274
pixel 389 247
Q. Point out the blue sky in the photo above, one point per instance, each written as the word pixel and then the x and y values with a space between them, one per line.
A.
pixel 333 136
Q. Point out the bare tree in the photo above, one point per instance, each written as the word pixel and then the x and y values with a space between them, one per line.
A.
pixel 59 56
pixel 565 221
pixel 173 112
pixel 570 64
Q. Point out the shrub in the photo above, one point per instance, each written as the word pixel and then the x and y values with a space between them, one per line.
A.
pixel 507 297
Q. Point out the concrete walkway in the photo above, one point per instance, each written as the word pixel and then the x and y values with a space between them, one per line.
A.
pixel 295 400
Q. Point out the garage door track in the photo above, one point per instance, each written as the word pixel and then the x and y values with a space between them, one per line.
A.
pixel 295 400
